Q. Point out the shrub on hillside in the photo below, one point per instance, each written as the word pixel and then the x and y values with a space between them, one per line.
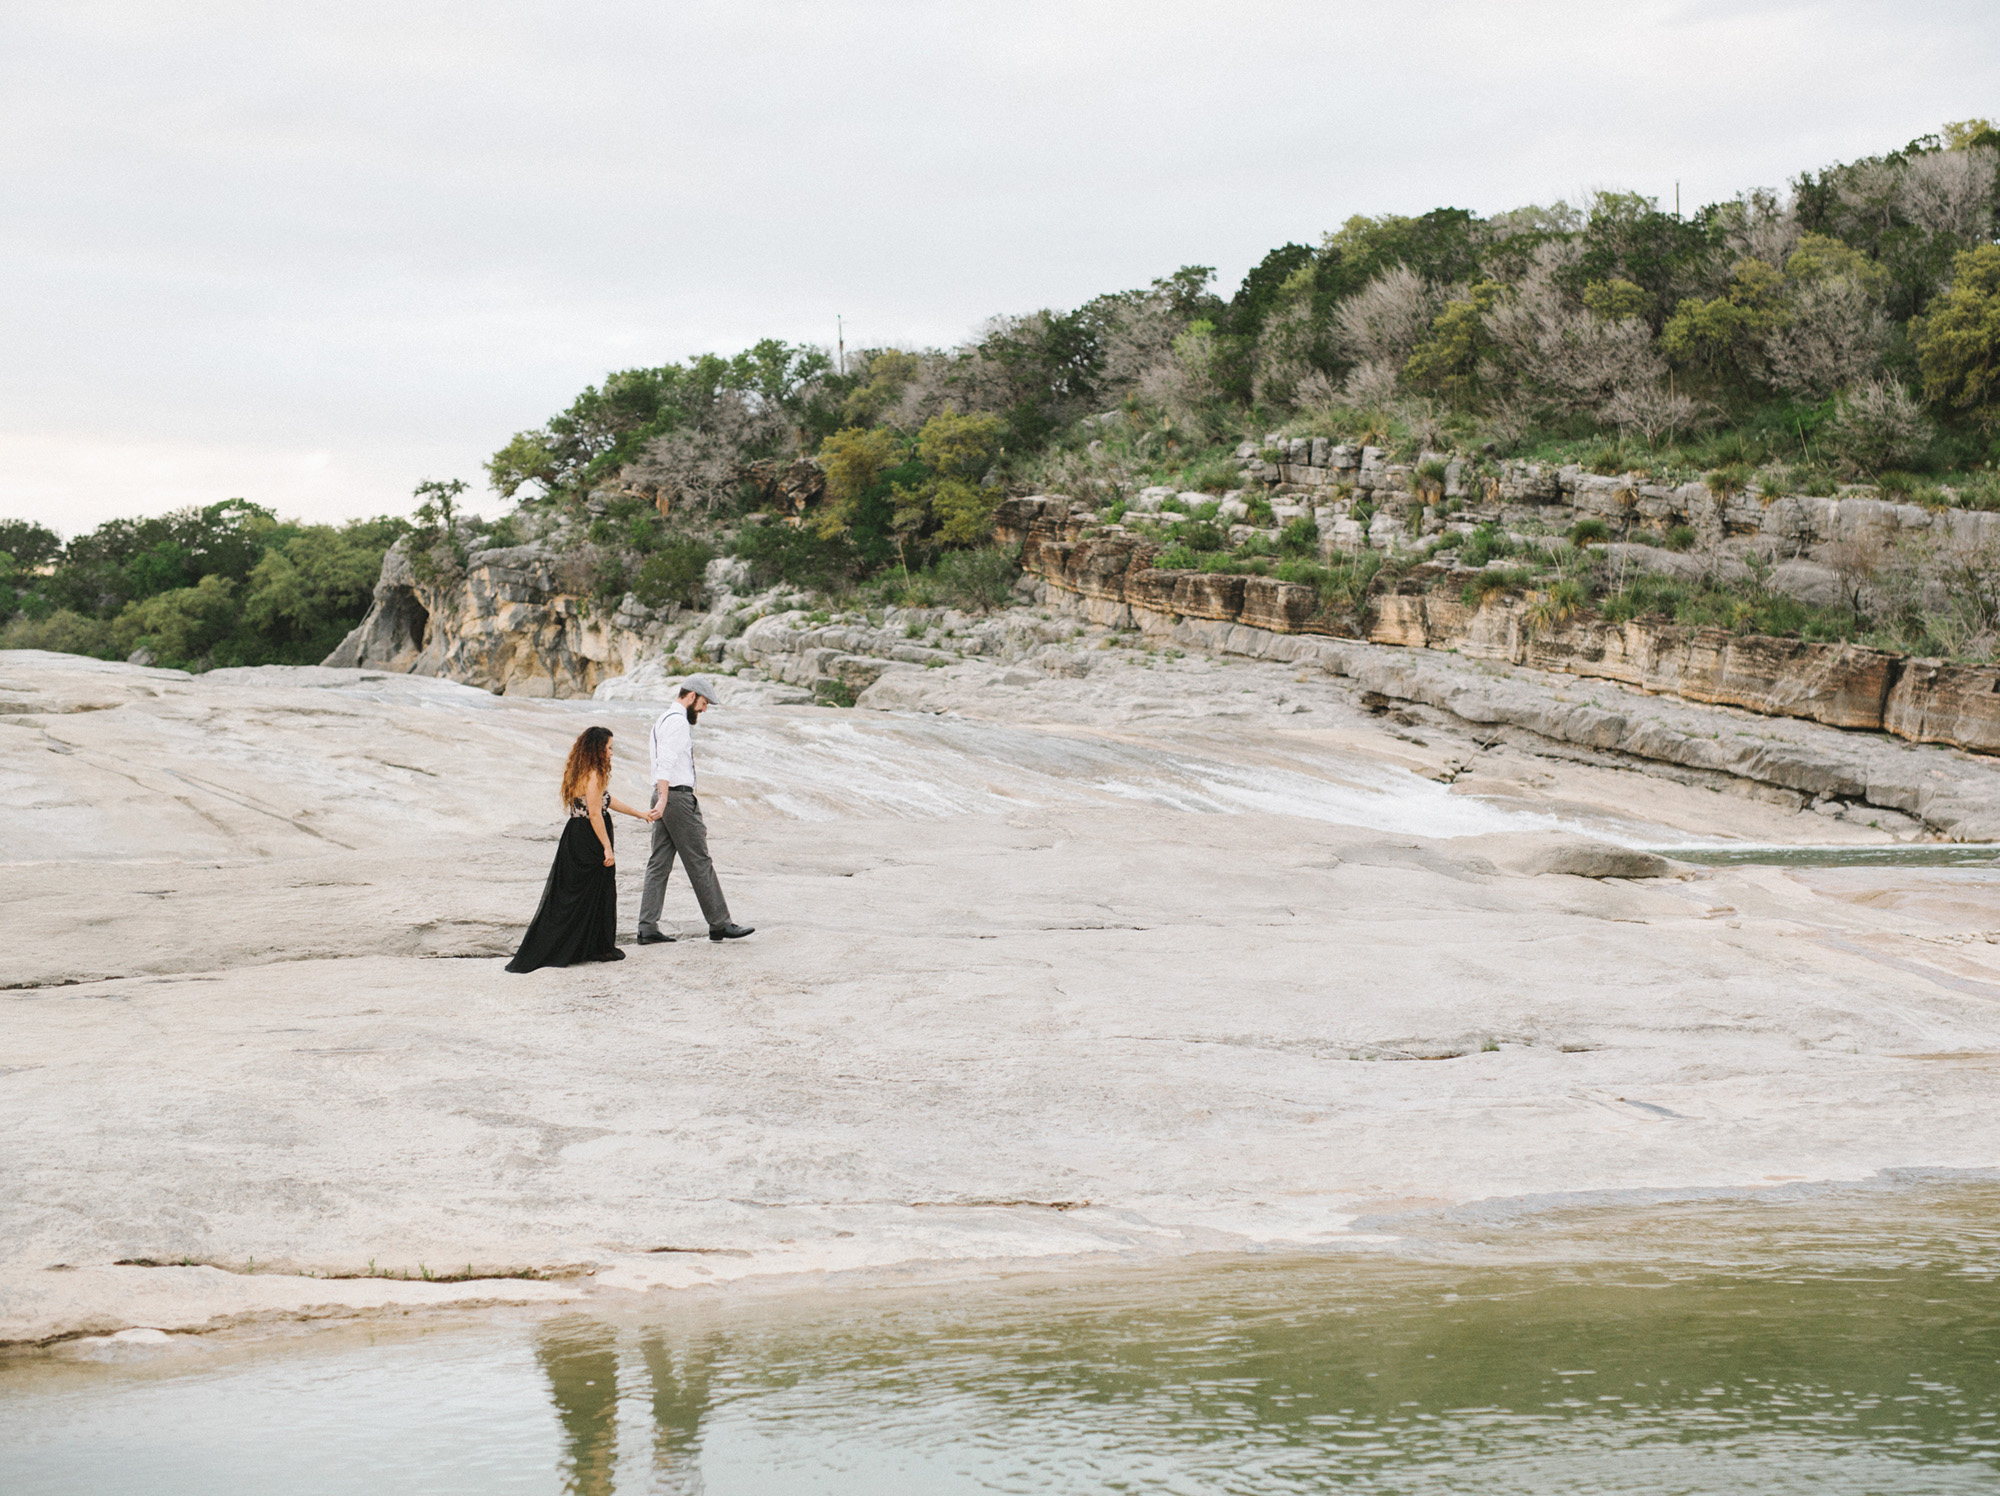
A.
pixel 1300 537
pixel 1958 346
pixel 975 581
pixel 1589 532
pixel 673 574
pixel 64 631
pixel 1877 426
pixel 800 556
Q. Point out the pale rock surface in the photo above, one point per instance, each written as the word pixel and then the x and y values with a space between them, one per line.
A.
pixel 1173 956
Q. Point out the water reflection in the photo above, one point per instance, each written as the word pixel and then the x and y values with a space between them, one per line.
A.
pixel 1830 1343
pixel 1314 1374
pixel 580 1359
pixel 680 1399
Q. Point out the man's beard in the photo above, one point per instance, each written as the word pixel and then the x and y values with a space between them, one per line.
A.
pixel 692 714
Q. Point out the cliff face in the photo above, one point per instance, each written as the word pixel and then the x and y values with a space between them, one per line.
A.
pixel 510 625
pixel 1110 580
pixel 513 625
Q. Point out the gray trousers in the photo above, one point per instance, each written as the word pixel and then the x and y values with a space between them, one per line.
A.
pixel 681 830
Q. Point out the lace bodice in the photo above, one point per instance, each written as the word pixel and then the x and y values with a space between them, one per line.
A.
pixel 577 808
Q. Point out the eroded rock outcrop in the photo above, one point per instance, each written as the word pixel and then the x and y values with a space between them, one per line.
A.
pixel 513 624
pixel 1111 581
pixel 520 622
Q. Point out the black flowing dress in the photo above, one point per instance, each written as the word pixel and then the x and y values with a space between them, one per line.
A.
pixel 578 917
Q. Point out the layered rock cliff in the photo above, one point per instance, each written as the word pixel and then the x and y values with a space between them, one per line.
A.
pixel 516 623
pixel 1109 578
pixel 510 625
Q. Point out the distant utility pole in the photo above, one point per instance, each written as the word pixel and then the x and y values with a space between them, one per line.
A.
pixel 840 328
pixel 1677 199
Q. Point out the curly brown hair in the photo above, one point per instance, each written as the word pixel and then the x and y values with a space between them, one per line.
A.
pixel 589 755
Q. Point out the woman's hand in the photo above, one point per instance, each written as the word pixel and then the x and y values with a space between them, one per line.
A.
pixel 610 858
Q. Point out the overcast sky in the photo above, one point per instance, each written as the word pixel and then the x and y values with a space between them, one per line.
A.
pixel 313 254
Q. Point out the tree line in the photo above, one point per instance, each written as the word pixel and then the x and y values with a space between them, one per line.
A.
pixel 1847 327
pixel 225 584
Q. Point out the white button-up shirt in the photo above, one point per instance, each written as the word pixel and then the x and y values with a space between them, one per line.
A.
pixel 673 748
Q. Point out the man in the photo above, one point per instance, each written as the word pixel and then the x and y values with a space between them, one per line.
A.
pixel 679 828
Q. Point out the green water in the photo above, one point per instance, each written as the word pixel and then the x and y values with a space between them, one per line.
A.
pixel 1801 1344
pixel 1928 854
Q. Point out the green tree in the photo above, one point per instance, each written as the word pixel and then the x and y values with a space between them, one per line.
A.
pixel 64 631
pixel 952 505
pixel 888 373
pixel 963 511
pixel 1616 299
pixel 956 446
pixel 1449 360
pixel 181 627
pixel 1668 257
pixel 775 372
pixel 124 560
pixel 224 584
pixel 31 545
pixel 304 594
pixel 854 458
pixel 674 574
pixel 1965 134
pixel 606 426
pixel 528 457
pixel 435 549
pixel 1049 362
pixel 1442 246
pixel 1261 289
pixel 1958 342
pixel 1723 333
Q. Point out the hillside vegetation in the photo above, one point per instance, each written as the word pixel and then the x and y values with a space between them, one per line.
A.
pixel 1845 331
pixel 228 584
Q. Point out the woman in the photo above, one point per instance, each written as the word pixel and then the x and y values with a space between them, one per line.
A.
pixel 578 917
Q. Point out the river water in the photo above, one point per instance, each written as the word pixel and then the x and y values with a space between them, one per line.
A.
pixel 1795 1340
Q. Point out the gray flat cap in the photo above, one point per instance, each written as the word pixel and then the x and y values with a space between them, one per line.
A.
pixel 700 685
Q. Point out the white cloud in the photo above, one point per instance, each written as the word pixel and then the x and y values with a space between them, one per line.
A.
pixel 397 233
